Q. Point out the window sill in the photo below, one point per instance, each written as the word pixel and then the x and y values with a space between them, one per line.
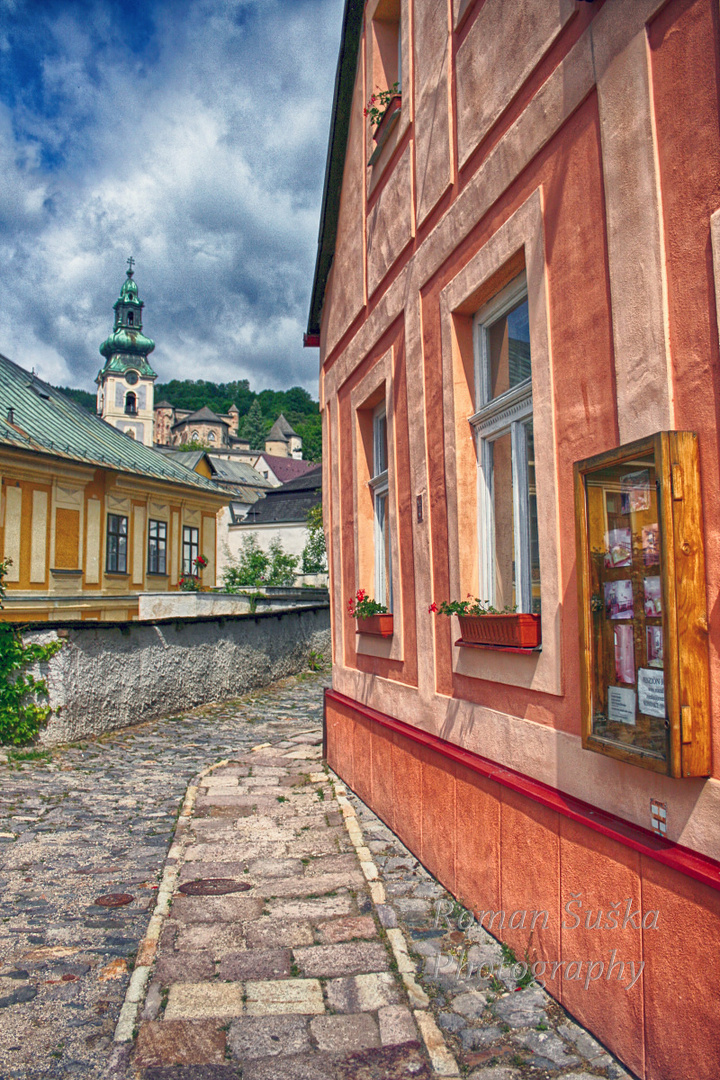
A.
pixel 155 573
pixel 498 648
pixel 62 572
pixel 117 573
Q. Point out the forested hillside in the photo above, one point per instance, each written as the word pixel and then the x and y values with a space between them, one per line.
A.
pixel 296 404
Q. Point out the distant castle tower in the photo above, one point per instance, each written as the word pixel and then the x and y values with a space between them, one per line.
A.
pixel 125 383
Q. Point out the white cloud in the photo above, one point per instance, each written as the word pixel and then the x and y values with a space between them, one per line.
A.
pixel 201 153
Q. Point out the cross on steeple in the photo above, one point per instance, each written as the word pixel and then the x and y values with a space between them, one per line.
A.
pixel 131 263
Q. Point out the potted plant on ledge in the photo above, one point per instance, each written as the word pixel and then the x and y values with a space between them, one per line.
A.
pixel 381 108
pixel 372 618
pixel 482 624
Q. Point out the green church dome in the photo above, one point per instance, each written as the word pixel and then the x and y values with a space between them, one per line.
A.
pixel 127 346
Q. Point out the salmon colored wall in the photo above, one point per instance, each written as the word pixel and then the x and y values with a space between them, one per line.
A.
pixel 498 850
pixel 570 173
pixel 680 55
pixel 405 671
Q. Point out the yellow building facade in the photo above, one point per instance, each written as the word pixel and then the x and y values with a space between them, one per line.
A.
pixel 89 517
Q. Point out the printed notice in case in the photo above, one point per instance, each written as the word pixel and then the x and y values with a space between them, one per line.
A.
pixel 651 692
pixel 621 704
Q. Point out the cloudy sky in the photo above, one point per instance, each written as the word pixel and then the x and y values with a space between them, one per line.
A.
pixel 190 134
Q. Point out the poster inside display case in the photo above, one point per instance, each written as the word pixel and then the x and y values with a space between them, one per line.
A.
pixel 641 587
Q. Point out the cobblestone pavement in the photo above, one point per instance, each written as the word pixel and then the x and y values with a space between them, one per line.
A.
pixel 296 938
pixel 90 820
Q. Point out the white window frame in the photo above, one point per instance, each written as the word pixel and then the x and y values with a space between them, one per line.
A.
pixel 380 488
pixel 506 414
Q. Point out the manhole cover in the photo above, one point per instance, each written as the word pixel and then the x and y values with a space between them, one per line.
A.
pixel 115 899
pixel 214 886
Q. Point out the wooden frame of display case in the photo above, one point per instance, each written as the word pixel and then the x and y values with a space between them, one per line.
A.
pixel 657 477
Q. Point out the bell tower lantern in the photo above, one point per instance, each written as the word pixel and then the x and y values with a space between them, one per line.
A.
pixel 126 382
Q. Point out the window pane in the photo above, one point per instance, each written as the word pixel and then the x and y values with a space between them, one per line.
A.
pixel 383 582
pixel 532 520
pixel 503 523
pixel 380 441
pixel 508 343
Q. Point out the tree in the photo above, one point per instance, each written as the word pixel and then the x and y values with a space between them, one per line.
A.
pixel 314 556
pixel 283 567
pixel 249 568
pixel 253 428
pixel 253 568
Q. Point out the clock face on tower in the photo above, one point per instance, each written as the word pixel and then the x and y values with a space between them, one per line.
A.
pixel 131 377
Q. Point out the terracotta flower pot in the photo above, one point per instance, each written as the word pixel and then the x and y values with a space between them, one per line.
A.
pixel 516 630
pixel 380 625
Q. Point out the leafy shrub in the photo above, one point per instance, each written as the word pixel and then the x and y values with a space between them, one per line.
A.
pixel 314 556
pixel 253 567
pixel 21 717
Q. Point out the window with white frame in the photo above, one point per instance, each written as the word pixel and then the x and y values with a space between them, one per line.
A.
pixel 381 509
pixel 190 548
pixel 503 429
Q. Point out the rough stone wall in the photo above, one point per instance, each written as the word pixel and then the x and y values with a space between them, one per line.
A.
pixel 109 677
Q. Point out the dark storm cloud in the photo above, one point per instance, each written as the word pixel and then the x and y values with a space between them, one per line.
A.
pixel 190 135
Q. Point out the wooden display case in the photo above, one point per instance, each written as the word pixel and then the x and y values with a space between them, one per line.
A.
pixel 642 605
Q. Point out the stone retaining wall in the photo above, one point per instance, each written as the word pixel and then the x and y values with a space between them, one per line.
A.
pixel 110 675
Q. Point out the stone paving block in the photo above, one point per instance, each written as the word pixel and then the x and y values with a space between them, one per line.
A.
pixel 313 1066
pixel 412 911
pixel 351 958
pixel 274 868
pixel 473 1004
pixel 476 1038
pixel 345 1034
pixel 362 993
pixel 308 886
pixel 548 1045
pixel 302 996
pixel 186 968
pixel 583 1041
pixel 202 868
pixel 396 1025
pixel 265 1036
pixel 324 907
pixel 188 1001
pixel 524 1009
pixel 213 909
pixel 332 864
pixel 190 1072
pixel 217 940
pixel 266 932
pixel 337 930
pixel 325 843
pixel 498 1072
pixel 179 1042
pixel 405 1062
pixel 255 964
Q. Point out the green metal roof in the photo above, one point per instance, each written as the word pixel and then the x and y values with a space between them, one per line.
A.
pixel 44 421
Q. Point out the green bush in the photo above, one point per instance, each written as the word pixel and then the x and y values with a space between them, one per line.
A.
pixel 21 717
pixel 314 556
pixel 254 568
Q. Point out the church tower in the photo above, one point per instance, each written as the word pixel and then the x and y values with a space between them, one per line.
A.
pixel 125 383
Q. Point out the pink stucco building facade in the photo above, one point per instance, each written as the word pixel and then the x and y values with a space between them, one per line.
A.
pixel 521 272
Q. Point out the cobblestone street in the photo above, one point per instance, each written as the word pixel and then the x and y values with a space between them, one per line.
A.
pixel 91 820
pixel 286 934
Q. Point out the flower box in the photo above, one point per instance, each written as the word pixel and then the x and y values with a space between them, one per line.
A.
pixel 392 108
pixel 515 630
pixel 379 625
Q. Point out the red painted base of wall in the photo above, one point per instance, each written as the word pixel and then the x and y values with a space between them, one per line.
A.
pixel 503 842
